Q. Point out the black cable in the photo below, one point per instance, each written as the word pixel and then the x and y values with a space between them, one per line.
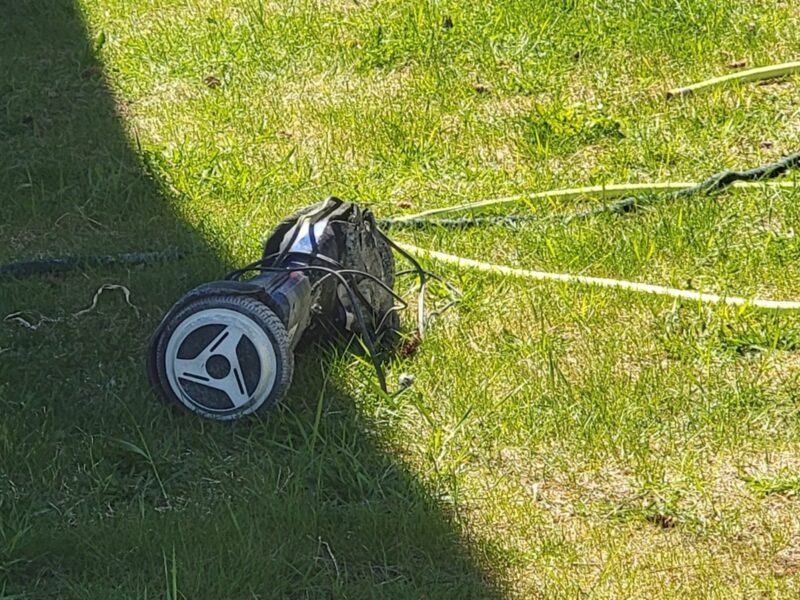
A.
pixel 460 222
pixel 268 261
pixel 362 323
pixel 712 184
pixel 423 281
pixel 69 263
pixel 62 264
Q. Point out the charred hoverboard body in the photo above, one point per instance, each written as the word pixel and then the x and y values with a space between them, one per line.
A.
pixel 225 350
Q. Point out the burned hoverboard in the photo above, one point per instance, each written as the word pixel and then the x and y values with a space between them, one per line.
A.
pixel 225 350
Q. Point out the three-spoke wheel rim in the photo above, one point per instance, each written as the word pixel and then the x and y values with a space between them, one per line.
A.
pixel 219 353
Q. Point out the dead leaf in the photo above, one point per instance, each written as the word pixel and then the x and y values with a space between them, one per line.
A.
pixel 662 520
pixel 411 345
pixel 404 204
pixel 787 561
pixel 767 145
pixel 737 64
pixel 212 82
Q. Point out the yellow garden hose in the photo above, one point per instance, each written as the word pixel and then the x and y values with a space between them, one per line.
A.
pixel 622 284
pixel 756 74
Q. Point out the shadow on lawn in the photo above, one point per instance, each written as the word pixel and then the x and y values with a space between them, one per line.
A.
pixel 102 491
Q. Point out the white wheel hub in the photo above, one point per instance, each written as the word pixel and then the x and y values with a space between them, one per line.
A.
pixel 221 363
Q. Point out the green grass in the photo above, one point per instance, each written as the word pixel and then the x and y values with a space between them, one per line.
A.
pixel 559 441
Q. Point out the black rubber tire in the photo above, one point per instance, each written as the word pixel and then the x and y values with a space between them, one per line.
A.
pixel 255 311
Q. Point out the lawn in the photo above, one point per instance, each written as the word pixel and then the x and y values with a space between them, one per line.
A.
pixel 559 441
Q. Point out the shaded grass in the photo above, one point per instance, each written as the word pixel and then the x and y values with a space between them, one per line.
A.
pixel 106 493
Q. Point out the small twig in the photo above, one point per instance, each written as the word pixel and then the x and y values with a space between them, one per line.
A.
pixel 330 554
pixel 20 317
pixel 99 292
